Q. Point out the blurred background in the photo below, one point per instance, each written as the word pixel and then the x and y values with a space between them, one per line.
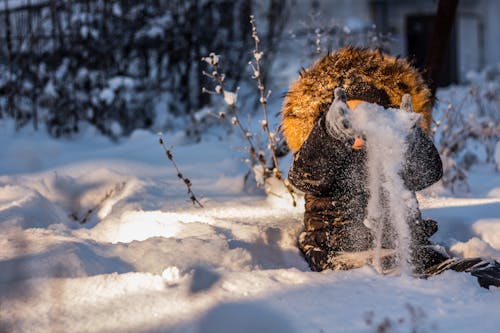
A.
pixel 120 65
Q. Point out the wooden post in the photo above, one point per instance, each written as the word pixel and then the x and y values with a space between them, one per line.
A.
pixel 440 40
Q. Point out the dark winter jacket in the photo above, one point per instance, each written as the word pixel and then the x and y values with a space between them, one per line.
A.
pixel 326 167
pixel 331 173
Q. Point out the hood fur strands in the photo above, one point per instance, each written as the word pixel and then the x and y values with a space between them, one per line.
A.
pixel 364 74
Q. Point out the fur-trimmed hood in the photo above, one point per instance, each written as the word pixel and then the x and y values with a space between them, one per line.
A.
pixel 364 74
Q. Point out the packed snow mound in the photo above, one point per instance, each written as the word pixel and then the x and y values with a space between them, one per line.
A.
pixel 487 229
pixel 25 207
pixel 474 248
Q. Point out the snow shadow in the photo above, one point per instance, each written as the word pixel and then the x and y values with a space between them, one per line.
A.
pixel 29 209
pixel 203 279
pixel 337 302
pixel 457 222
pixel 231 317
pixel 244 317
pixel 61 261
pixel 266 250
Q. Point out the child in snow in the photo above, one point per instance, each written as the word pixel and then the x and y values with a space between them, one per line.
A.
pixel 330 165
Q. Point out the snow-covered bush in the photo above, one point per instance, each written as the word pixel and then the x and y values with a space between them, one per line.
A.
pixel 106 63
pixel 467 124
pixel 59 71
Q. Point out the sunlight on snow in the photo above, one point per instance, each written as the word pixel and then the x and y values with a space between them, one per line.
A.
pixel 489 231
pixel 442 202
pixel 475 247
pixel 141 225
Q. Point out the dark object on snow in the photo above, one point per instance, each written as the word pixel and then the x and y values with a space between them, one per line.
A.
pixel 203 279
pixel 487 272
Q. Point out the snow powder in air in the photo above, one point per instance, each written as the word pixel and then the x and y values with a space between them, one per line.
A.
pixel 386 131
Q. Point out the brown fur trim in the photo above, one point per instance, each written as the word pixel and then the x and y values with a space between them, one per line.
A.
pixel 363 74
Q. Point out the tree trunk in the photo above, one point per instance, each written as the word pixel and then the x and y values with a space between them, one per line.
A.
pixel 439 41
pixel 8 32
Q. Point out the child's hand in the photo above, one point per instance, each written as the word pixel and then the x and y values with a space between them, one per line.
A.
pixel 407 106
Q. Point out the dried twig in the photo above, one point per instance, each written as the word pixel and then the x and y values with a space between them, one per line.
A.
pixel 230 98
pixel 185 180
pixel 271 135
pixel 83 219
pixel 257 157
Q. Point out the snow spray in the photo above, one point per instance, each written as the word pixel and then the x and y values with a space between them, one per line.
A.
pixel 391 206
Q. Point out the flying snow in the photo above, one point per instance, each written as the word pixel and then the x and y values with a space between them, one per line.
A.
pixel 386 132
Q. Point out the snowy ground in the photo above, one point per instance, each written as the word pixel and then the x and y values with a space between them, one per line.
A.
pixel 146 260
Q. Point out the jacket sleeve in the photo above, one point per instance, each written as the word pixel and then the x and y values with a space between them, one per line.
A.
pixel 323 162
pixel 318 162
pixel 423 166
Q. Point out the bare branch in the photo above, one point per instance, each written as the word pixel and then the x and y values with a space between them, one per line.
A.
pixel 257 70
pixel 186 181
